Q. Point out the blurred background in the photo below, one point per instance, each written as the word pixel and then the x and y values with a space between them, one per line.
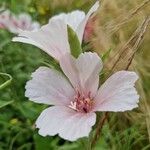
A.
pixel 121 30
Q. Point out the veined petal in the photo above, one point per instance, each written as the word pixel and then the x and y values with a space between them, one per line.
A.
pixel 81 27
pixel 73 19
pixel 83 72
pixel 118 93
pixel 51 38
pixel 49 87
pixel 69 124
pixel 79 20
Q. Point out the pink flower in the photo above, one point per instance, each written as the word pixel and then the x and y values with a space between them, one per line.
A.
pixel 76 96
pixel 89 29
pixel 78 21
pixel 15 23
pixel 51 38
pixel 22 22
pixel 4 19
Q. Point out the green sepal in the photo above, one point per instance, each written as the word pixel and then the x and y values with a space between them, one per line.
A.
pixel 75 45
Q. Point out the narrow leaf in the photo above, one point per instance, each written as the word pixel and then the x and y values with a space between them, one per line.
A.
pixel 7 82
pixel 5 103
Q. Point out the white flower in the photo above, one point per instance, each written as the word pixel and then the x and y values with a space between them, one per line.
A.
pixel 77 20
pixel 51 38
pixel 15 23
pixel 4 19
pixel 75 99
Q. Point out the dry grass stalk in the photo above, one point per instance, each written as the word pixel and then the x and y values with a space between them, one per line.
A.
pixel 124 56
pixel 128 52
pixel 112 27
pixel 98 129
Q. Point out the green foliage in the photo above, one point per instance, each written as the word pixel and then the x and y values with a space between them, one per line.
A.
pixel 5 103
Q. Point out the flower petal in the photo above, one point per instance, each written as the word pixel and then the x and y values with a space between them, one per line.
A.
pixel 73 19
pixel 51 38
pixel 69 124
pixel 5 19
pixel 83 72
pixel 49 87
pixel 81 27
pixel 25 22
pixel 118 93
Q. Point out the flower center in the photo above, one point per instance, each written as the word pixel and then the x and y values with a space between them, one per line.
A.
pixel 82 103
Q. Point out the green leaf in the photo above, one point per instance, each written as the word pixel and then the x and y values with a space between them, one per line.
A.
pixel 5 103
pixel 7 82
pixel 75 45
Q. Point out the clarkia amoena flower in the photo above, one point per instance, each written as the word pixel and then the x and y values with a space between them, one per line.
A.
pixel 22 22
pixel 80 22
pixel 53 37
pixel 89 29
pixel 15 23
pixel 76 96
pixel 4 19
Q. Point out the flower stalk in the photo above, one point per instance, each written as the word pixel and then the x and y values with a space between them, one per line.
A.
pixel 99 129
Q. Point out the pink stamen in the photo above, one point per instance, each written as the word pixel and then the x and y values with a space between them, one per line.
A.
pixel 82 103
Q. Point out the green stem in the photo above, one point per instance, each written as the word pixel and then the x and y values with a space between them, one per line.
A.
pixel 98 129
pixel 6 83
